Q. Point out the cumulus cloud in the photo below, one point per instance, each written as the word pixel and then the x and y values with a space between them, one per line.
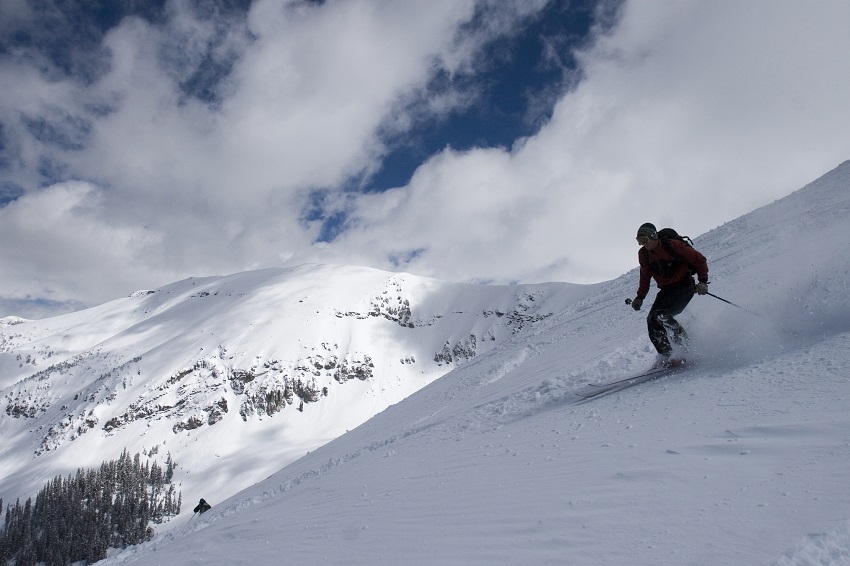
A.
pixel 223 182
pixel 210 142
pixel 688 114
pixel 68 246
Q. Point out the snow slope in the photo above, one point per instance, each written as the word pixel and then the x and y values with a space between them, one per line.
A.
pixel 742 459
pixel 206 369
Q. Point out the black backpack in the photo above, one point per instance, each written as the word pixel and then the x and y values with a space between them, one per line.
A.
pixel 669 267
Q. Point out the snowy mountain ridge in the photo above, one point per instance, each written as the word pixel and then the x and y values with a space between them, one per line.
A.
pixel 303 354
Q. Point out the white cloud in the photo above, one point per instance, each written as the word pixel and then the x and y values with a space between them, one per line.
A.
pixel 689 114
pixel 223 187
pixel 70 251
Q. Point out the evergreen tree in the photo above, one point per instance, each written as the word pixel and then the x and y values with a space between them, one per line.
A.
pixel 77 518
pixel 169 468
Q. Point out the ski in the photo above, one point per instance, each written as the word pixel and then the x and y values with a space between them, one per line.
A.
pixel 631 377
pixel 597 389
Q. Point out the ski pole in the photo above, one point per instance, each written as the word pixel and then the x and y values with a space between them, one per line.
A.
pixel 733 304
pixel 192 517
pixel 629 302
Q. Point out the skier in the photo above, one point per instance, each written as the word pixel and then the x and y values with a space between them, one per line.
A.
pixel 672 263
pixel 202 506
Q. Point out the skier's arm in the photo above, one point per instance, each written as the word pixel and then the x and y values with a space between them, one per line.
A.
pixel 695 259
pixel 645 278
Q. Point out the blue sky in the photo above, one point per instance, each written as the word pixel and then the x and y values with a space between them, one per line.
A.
pixel 515 83
pixel 473 140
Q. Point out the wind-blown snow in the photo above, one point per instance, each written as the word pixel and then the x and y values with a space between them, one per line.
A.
pixel 744 458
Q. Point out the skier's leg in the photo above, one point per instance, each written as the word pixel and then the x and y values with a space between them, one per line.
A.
pixel 677 331
pixel 681 296
pixel 669 302
pixel 658 332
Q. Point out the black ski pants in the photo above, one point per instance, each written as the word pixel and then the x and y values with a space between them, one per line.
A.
pixel 669 302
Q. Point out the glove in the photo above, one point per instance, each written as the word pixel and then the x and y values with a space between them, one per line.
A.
pixel 637 302
pixel 702 288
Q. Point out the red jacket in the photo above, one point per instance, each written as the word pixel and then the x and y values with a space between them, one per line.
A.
pixel 665 271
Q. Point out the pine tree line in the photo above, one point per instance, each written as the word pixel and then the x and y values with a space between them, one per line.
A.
pixel 77 518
